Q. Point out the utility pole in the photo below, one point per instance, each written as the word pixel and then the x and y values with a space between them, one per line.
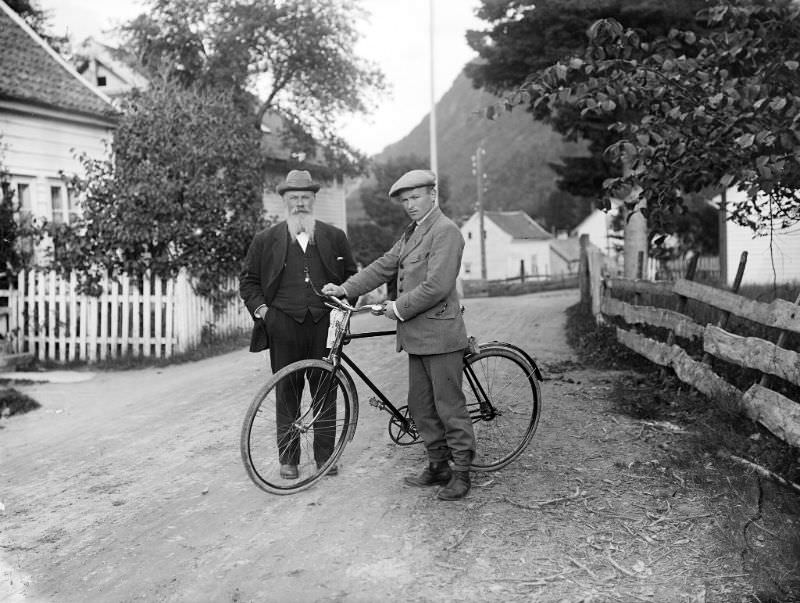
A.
pixel 432 120
pixel 477 166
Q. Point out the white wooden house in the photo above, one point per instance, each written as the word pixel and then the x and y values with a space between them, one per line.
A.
pixel 515 244
pixel 49 115
pixel 770 256
pixel 108 68
pixel 601 227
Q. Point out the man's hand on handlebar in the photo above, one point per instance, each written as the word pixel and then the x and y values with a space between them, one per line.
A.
pixel 333 290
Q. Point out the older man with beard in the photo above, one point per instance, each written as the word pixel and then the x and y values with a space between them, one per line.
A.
pixel 284 264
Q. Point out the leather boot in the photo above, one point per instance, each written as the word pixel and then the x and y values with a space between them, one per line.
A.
pixel 434 473
pixel 457 487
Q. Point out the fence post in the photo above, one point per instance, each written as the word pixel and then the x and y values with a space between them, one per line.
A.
pixel 182 311
pixel 724 315
pixel 682 301
pixel 583 274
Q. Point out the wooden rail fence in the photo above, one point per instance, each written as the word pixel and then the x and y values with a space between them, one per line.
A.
pixel 149 317
pixel 775 411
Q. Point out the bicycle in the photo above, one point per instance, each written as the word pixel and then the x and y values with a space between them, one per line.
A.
pixel 501 383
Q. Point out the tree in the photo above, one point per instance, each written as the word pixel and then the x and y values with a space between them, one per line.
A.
pixel 703 112
pixel 182 189
pixel 18 234
pixel 9 255
pixel 296 57
pixel 39 21
pixel 527 36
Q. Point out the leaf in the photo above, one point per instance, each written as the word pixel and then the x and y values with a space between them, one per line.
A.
pixel 791 65
pixel 745 140
pixel 777 103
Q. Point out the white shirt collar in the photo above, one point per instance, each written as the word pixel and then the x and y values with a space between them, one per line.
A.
pixel 430 211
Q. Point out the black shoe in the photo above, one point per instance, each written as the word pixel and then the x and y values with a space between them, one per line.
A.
pixel 434 473
pixel 289 471
pixel 334 470
pixel 457 487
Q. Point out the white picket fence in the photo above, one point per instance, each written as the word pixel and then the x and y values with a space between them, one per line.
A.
pixel 148 317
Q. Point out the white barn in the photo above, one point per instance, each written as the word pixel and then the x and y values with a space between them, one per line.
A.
pixel 515 243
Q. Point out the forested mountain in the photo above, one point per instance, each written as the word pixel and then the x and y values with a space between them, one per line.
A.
pixel 518 151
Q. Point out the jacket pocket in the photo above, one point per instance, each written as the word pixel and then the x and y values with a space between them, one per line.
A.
pixel 442 311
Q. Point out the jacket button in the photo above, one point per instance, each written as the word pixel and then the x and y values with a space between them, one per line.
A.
pixel 399 289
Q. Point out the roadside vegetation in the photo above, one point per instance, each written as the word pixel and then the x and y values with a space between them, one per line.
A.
pixel 706 442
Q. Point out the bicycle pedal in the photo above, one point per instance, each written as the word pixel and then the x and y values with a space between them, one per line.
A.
pixel 373 401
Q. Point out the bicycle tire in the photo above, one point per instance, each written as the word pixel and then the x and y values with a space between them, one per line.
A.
pixel 504 427
pixel 260 444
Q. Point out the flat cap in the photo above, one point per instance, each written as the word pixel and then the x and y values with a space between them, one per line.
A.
pixel 413 179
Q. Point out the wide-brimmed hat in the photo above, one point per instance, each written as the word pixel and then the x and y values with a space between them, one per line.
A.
pixel 413 179
pixel 298 180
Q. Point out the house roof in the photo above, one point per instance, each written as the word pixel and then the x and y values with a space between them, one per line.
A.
pixel 33 73
pixel 568 249
pixel 518 224
pixel 116 60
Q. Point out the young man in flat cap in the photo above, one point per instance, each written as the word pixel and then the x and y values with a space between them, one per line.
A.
pixel 282 263
pixel 430 328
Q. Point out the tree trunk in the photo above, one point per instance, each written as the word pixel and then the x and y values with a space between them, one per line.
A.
pixel 635 242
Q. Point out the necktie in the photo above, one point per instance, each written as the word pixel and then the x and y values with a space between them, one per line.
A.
pixel 409 231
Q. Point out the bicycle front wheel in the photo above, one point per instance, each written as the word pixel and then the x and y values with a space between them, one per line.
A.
pixel 302 417
pixel 504 401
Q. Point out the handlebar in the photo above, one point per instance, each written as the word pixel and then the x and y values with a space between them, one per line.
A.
pixel 343 304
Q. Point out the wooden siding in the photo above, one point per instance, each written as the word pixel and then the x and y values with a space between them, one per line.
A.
pixel 785 251
pixel 37 148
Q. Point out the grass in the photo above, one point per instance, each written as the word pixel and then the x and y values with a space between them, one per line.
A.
pixel 756 517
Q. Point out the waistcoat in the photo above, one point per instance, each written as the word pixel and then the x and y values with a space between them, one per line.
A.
pixel 295 296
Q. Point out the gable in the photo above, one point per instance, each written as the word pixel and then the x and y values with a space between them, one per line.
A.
pixel 32 73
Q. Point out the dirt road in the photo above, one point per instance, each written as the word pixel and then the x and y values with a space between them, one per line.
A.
pixel 129 486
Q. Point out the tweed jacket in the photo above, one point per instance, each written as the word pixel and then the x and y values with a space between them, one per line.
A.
pixel 266 259
pixel 426 268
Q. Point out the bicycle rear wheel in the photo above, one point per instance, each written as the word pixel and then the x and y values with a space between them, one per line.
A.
pixel 311 434
pixel 504 401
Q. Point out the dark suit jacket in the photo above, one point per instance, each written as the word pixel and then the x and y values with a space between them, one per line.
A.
pixel 266 258
pixel 426 268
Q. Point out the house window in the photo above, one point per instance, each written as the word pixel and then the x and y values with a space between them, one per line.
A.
pixel 24 202
pixel 467 267
pixel 62 205
pixel 101 80
pixel 534 270
pixel 469 235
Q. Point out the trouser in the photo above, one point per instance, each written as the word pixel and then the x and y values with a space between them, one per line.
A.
pixel 439 408
pixel 291 341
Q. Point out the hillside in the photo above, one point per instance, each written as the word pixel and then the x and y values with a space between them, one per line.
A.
pixel 518 151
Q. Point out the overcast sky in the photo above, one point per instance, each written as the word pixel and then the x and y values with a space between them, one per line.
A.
pixel 396 38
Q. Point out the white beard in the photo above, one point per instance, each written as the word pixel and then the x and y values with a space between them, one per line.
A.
pixel 301 222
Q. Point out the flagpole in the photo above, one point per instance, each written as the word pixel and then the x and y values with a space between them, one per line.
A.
pixel 432 121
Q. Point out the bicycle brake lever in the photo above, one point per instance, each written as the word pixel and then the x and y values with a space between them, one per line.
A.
pixel 377 309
